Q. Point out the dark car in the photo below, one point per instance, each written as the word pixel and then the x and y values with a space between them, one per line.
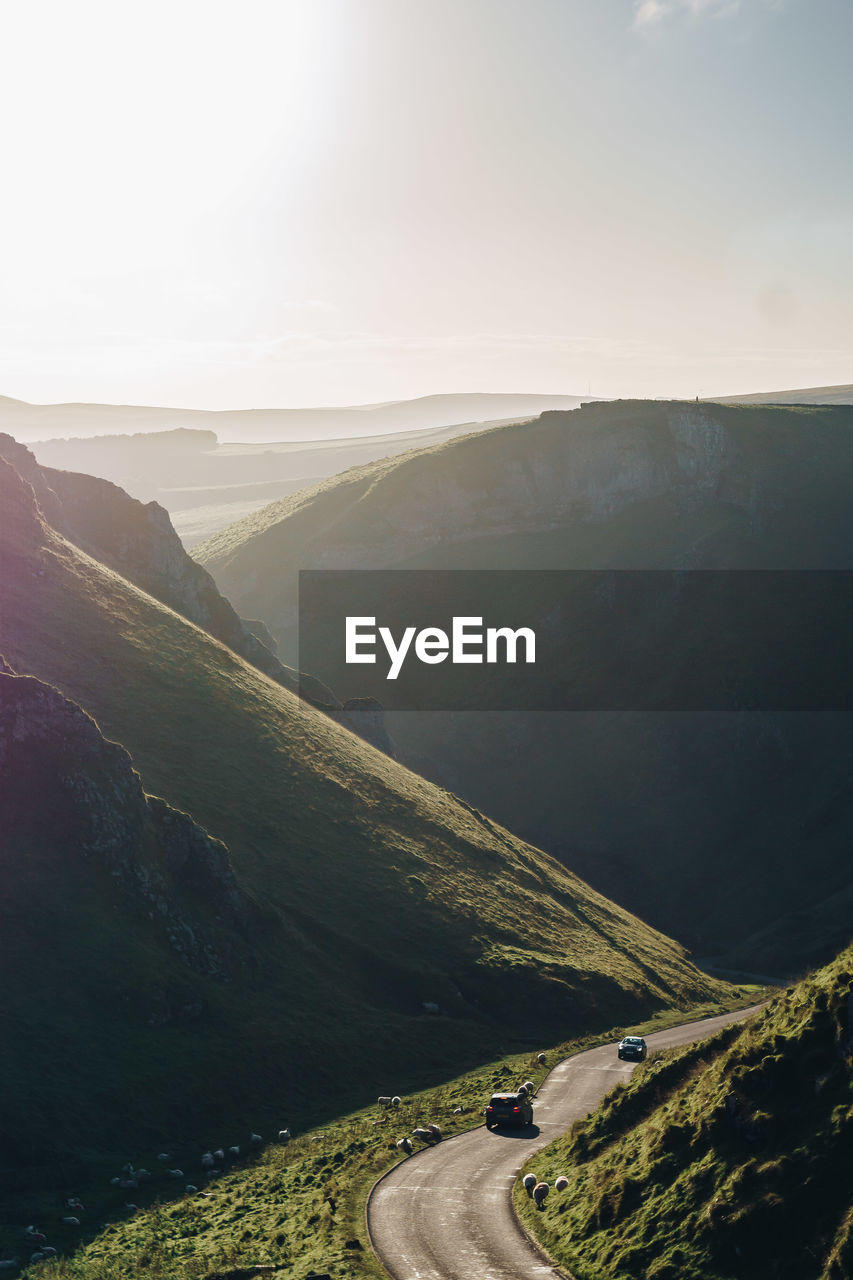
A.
pixel 509 1108
pixel 632 1049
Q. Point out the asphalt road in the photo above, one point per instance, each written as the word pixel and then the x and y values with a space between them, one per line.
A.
pixel 446 1212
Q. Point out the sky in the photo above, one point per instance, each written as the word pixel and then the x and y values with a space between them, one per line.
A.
pixel 246 203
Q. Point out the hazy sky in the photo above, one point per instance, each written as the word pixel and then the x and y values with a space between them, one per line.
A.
pixel 293 202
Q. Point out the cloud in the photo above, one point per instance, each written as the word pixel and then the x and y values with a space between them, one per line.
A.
pixel 648 13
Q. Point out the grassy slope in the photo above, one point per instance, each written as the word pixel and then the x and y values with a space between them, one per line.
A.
pixel 700 824
pixel 375 890
pixel 723 1161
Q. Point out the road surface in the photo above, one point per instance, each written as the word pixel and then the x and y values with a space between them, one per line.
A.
pixel 446 1213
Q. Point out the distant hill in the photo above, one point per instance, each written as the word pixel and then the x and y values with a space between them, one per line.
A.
pixel 703 825
pixel 728 1160
pixel 206 486
pixel 28 422
pixel 328 892
pixel 842 394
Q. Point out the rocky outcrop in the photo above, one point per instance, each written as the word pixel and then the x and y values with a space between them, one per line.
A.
pixel 55 761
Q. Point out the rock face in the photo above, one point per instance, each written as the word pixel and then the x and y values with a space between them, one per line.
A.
pixel 54 761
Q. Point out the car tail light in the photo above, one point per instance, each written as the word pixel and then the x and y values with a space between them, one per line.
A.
pixel 517 1110
pixel 490 1108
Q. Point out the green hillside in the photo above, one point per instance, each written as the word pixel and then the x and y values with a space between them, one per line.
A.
pixel 728 1160
pixel 369 891
pixel 702 824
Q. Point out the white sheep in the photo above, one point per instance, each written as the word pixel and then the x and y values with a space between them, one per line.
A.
pixel 128 1184
pixel 405 1145
pixel 529 1182
pixel 541 1059
pixel 435 1131
pixel 33 1233
pixel 561 1183
pixel 73 1202
pixel 9 1264
pixel 255 1139
pixel 219 1154
pixel 424 1135
pixel 190 1187
pixel 70 1222
pixel 530 1087
pixel 540 1191
pixel 207 1160
pixel 284 1135
pixel 164 1157
pixel 234 1151
pixel 457 1111
pixel 395 1101
pixel 38 1256
pixel 384 1102
pixel 522 1091
pixel 174 1173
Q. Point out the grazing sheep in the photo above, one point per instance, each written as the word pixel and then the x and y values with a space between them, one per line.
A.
pixel 284 1135
pixel 540 1191
pixel 530 1087
pixel 70 1222
pixel 142 1174
pixel 541 1059
pixel 207 1160
pixel 234 1151
pixel 190 1187
pixel 73 1202
pixel 457 1111
pixel 255 1139
pixel 131 1208
pixel 128 1184
pixel 128 1170
pixel 38 1256
pixel 48 1251
pixel 174 1173
pixel 395 1101
pixel 435 1131
pixel 383 1102
pixel 522 1091
pixel 561 1183
pixel 9 1264
pixel 529 1182
pixel 424 1135
pixel 219 1154
pixel 33 1233
pixel 164 1157
pixel 405 1145
pixel 115 1181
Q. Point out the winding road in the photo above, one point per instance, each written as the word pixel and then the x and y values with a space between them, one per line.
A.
pixel 446 1212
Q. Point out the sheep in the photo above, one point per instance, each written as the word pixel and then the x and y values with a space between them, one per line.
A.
pixel 142 1174
pixel 530 1087
pixel 70 1222
pixel 561 1183
pixel 522 1091
pixel 38 1256
pixel 128 1184
pixel 405 1145
pixel 424 1135
pixel 33 1233
pixel 383 1102
pixel 435 1131
pixel 255 1139
pixel 164 1157
pixel 131 1208
pixel 207 1160
pixel 395 1101
pixel 529 1182
pixel 73 1202
pixel 190 1188
pixel 234 1151
pixel 174 1173
pixel 540 1191
pixel 541 1059
pixel 128 1170
pixel 457 1111
pixel 284 1135
pixel 9 1264
pixel 115 1181
pixel 48 1251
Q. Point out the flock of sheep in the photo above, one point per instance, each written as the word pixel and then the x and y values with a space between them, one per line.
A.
pixel 212 1163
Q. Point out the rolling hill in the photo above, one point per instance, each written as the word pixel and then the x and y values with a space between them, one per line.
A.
pixel 703 824
pixel 841 394
pixel 360 892
pixel 28 422
pixel 724 1161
